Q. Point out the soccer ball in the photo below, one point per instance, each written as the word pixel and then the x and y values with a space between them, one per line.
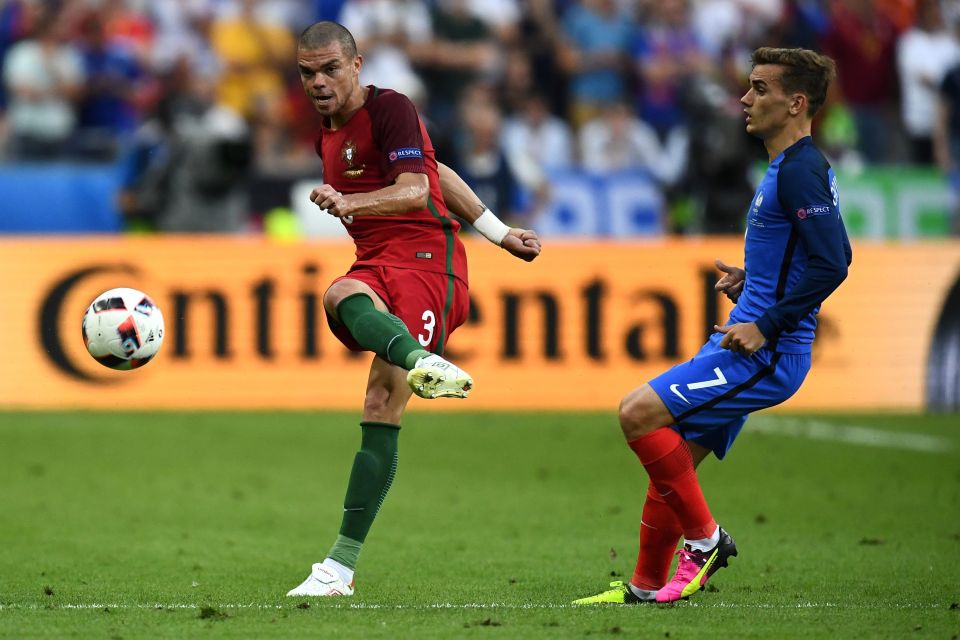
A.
pixel 123 329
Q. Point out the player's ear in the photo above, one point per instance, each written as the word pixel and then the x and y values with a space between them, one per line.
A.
pixel 798 104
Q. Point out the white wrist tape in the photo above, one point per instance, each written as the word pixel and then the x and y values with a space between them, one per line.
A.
pixel 490 227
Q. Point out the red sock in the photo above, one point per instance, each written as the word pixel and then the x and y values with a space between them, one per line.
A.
pixel 669 464
pixel 659 534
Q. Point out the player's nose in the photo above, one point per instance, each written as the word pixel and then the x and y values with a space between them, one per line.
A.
pixel 315 81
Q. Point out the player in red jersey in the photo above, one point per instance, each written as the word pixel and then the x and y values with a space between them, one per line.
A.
pixel 407 290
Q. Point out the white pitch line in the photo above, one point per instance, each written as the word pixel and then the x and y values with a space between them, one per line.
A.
pixel 447 606
pixel 849 434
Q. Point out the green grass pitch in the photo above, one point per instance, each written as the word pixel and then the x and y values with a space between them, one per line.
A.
pixel 194 525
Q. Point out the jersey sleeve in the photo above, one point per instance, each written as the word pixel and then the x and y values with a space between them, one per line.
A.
pixel 809 203
pixel 396 132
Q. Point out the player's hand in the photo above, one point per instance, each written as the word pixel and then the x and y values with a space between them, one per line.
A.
pixel 731 284
pixel 331 200
pixel 522 243
pixel 743 337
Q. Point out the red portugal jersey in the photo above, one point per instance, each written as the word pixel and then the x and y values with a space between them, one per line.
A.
pixel 383 139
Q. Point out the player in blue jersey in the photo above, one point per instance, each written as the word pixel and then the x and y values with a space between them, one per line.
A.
pixel 796 253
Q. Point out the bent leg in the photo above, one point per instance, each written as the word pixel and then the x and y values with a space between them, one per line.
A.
pixel 641 412
pixel 667 459
pixel 345 287
pixel 660 534
pixel 353 304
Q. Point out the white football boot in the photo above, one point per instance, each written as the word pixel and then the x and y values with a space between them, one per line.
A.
pixel 323 581
pixel 434 377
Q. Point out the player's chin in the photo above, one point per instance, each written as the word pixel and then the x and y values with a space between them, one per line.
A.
pixel 325 107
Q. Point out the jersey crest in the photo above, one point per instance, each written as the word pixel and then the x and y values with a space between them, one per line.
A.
pixel 753 215
pixel 348 153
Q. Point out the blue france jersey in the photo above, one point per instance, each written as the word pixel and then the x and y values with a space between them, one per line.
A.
pixel 796 250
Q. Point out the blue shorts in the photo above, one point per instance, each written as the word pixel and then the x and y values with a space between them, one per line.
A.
pixel 710 396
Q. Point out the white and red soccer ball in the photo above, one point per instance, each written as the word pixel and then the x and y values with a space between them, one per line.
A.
pixel 123 329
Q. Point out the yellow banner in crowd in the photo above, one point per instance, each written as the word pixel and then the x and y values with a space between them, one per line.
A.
pixel 576 329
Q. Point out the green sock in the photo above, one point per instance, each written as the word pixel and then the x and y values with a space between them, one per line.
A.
pixel 379 331
pixel 374 467
pixel 346 551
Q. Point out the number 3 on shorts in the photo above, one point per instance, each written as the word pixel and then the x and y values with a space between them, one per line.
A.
pixel 429 323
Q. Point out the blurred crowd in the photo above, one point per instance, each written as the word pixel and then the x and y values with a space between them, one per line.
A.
pixel 202 96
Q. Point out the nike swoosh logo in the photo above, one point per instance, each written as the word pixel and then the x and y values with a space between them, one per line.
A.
pixel 674 388
pixel 354 509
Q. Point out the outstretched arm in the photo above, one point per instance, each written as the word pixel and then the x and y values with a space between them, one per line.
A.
pixel 462 201
pixel 458 195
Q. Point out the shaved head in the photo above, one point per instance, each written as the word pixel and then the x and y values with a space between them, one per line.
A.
pixel 323 34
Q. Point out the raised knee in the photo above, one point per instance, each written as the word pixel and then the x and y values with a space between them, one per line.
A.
pixel 335 294
pixel 628 417
pixel 635 417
